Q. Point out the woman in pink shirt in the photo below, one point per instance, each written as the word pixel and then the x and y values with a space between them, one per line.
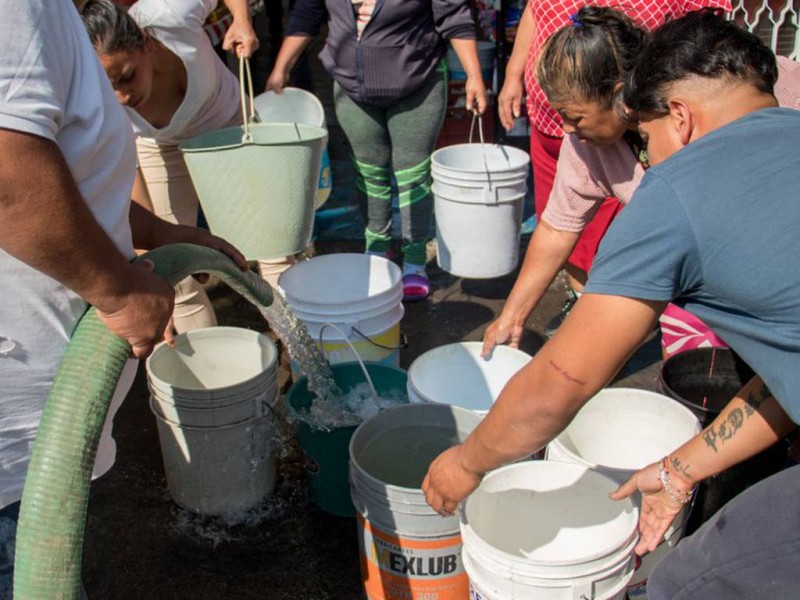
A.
pixel 543 19
pixel 581 69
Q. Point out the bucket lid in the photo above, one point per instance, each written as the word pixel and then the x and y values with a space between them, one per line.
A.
pixel 340 285
pixel 548 513
pixel 290 106
pixel 456 374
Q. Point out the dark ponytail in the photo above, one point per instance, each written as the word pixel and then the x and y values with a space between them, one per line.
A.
pixel 110 28
pixel 587 58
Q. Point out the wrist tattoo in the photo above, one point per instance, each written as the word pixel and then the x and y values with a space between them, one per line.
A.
pixel 679 466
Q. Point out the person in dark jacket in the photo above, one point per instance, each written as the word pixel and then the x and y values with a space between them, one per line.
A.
pixel 387 61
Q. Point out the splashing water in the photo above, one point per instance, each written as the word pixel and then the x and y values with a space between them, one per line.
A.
pixel 350 409
pixel 310 360
pixel 332 408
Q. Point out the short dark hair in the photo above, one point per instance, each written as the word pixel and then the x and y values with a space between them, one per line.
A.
pixel 587 58
pixel 702 43
pixel 110 28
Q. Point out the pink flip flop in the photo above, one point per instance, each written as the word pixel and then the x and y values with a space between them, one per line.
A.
pixel 416 287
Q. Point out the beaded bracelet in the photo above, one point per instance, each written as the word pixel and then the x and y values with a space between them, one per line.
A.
pixel 677 496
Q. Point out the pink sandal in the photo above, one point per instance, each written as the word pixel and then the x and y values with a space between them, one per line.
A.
pixel 416 287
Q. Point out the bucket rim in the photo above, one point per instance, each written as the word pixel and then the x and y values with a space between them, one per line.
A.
pixel 468 532
pixel 198 143
pixel 608 392
pixel 292 90
pixel 374 481
pixel 706 411
pixel 437 165
pixel 473 349
pixel 391 288
pixel 185 338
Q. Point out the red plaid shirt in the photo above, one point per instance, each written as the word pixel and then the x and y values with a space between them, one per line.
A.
pixel 551 15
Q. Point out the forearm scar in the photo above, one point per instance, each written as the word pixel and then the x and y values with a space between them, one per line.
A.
pixel 565 374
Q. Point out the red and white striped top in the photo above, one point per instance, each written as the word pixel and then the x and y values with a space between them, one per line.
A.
pixel 551 15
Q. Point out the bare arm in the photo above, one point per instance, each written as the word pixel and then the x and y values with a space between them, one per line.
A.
pixel 45 223
pixel 750 423
pixel 467 52
pixel 291 49
pixel 593 343
pixel 509 101
pixel 241 37
pixel 547 252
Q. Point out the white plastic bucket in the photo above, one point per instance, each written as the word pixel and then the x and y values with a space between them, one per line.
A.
pixel 213 394
pixel 361 295
pixel 548 530
pixel 407 549
pixel 218 470
pixel 294 105
pixel 212 362
pixel 215 413
pixel 478 192
pixel 618 432
pixel 456 374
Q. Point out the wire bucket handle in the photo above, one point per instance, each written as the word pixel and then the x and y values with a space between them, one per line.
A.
pixel 246 76
pixel 477 117
pixel 355 353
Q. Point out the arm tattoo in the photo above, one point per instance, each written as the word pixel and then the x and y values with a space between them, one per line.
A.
pixel 710 438
pixel 726 430
pixel 564 373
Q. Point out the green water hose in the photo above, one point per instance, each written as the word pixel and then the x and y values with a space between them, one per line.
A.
pixel 56 493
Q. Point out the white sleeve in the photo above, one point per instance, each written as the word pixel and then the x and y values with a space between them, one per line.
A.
pixel 34 73
pixel 172 13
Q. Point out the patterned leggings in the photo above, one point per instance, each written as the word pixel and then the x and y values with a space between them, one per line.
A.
pixel 398 141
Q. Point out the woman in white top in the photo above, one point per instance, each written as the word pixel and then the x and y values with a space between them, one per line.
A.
pixel 173 86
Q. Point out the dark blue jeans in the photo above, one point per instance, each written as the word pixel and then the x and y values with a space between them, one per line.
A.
pixel 749 550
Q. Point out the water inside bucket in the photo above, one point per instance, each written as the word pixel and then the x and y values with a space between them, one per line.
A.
pixel 401 456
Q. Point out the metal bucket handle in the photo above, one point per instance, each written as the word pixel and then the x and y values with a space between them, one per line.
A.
pixel 244 68
pixel 490 191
